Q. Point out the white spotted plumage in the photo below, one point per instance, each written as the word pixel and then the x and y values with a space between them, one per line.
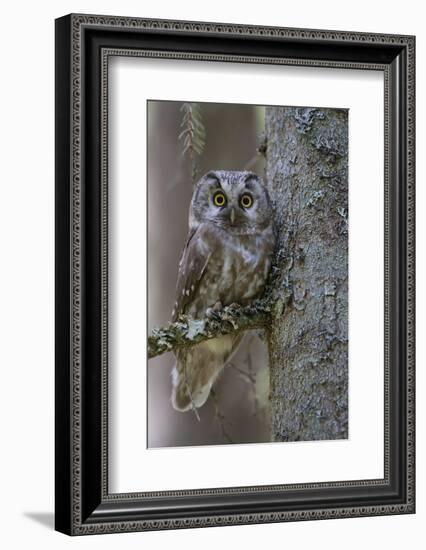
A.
pixel 226 260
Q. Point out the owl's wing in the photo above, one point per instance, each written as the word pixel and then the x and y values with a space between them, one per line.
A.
pixel 192 268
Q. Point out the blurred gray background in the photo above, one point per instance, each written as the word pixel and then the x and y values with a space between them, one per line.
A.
pixel 238 410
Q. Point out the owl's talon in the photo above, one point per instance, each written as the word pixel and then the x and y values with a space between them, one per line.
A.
pixel 212 312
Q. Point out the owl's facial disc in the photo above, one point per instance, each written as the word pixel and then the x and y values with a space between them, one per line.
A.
pixel 235 201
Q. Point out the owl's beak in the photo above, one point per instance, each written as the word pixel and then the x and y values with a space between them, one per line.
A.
pixel 232 215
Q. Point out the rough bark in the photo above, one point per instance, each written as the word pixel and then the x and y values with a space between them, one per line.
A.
pixel 307 155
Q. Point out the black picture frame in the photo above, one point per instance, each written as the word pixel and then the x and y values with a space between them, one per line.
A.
pixel 83 504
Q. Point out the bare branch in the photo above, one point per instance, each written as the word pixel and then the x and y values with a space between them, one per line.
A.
pixel 220 417
pixel 187 332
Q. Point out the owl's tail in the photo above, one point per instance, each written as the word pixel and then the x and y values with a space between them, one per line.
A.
pixel 197 369
pixel 185 398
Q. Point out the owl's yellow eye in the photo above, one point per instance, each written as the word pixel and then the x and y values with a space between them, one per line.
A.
pixel 246 200
pixel 219 199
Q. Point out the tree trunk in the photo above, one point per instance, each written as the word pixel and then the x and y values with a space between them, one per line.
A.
pixel 307 174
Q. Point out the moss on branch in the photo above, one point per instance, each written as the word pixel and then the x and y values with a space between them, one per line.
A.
pixel 187 332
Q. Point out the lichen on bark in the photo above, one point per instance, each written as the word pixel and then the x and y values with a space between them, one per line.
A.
pixel 187 331
pixel 307 154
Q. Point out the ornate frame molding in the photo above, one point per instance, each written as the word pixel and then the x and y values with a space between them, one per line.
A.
pixel 76 510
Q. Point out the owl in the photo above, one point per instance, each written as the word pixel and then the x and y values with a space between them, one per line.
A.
pixel 226 261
